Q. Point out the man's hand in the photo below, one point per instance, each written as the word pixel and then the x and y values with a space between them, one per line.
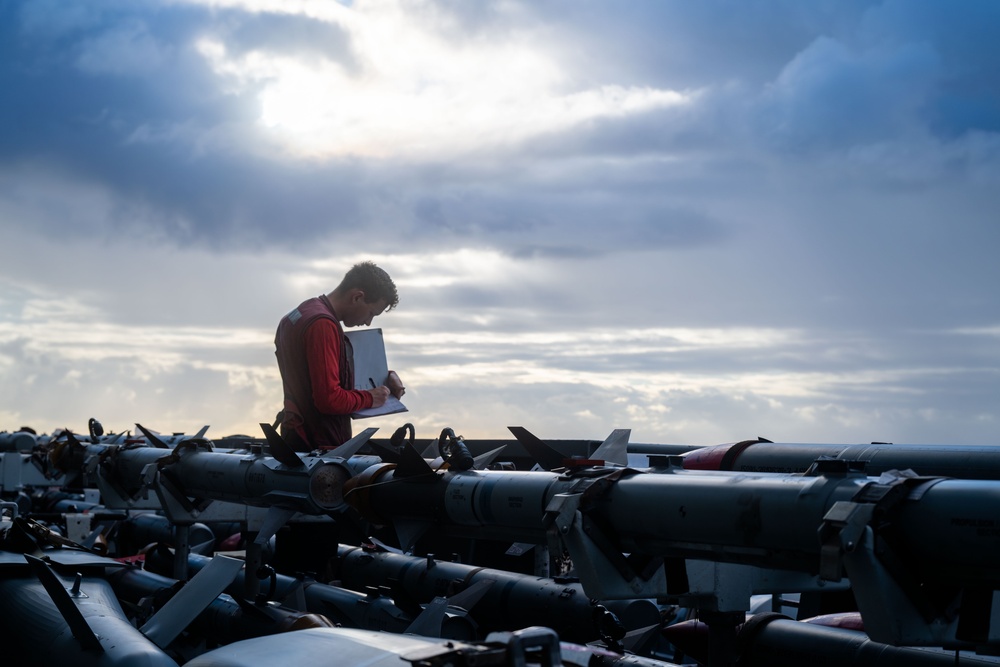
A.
pixel 379 396
pixel 395 385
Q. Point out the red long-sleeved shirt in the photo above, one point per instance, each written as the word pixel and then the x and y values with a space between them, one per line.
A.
pixel 323 342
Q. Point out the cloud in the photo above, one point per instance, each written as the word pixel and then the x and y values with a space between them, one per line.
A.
pixel 829 94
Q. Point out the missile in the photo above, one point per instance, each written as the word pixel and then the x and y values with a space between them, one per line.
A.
pixel 310 484
pixel 371 609
pixel 225 619
pixel 257 480
pixel 512 600
pixel 768 520
pixel 192 480
pixel 508 600
pixel 619 524
pixel 962 461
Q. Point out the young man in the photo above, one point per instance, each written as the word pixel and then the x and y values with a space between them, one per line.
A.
pixel 316 361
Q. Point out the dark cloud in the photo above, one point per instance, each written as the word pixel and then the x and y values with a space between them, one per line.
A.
pixel 910 67
pixel 119 99
pixel 829 98
pixel 537 222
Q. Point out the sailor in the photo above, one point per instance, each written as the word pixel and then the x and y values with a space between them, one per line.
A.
pixel 316 360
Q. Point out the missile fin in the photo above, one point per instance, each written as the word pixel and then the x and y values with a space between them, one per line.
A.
pixel 545 455
pixel 386 453
pixel 382 546
pixel 431 450
pixel 487 458
pixel 519 548
pixel 468 598
pixel 93 536
pixel 351 447
pixel 411 464
pixel 191 600
pixel 615 448
pixel 153 440
pixel 275 519
pixel 638 641
pixel 296 599
pixel 280 449
pixel 409 532
pixel 428 623
pixel 64 603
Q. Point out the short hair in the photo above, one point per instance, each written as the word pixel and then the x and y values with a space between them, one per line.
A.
pixel 373 281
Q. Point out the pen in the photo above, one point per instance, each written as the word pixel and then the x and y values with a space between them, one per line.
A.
pixel 371 381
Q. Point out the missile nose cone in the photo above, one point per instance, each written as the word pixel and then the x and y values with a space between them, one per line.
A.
pixel 303 621
pixel 691 637
pixel 231 543
pixel 849 620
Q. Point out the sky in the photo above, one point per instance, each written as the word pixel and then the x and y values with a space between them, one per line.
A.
pixel 704 222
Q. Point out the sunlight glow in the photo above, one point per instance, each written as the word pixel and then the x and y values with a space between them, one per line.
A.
pixel 415 90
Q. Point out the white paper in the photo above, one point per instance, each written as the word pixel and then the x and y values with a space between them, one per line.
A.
pixel 371 370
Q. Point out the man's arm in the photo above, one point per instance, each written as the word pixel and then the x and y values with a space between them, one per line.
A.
pixel 323 343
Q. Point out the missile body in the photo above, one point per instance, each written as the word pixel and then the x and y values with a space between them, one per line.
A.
pixel 224 620
pixel 126 474
pixel 961 461
pixel 514 600
pixel 370 610
pixel 255 480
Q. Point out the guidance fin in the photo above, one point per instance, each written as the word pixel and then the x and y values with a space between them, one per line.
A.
pixel 191 600
pixel 615 448
pixel 280 449
pixel 64 603
pixel 546 456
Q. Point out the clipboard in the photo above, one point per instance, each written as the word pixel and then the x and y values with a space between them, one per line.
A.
pixel 371 370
